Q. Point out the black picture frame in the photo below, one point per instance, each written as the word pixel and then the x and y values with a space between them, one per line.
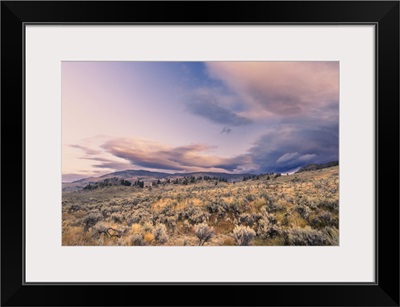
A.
pixel 383 14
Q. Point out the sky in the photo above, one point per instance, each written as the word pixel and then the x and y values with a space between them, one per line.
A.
pixel 176 117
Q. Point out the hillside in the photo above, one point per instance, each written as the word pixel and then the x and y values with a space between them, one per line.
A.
pixel 314 167
pixel 147 177
pixel 298 209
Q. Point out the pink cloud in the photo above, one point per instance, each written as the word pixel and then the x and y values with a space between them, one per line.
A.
pixel 280 88
pixel 193 157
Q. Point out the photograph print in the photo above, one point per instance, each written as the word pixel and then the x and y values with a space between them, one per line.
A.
pixel 219 153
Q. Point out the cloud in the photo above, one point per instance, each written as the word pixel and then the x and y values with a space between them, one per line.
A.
pixel 192 157
pixel 295 103
pixel 226 130
pixel 294 156
pixel 110 164
pixel 287 157
pixel 280 88
pixel 282 149
pixel 216 107
pixel 216 113
pixel 87 150
pixel 307 157
pixel 279 150
pixel 99 159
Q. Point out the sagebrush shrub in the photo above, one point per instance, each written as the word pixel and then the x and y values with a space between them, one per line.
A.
pixel 324 219
pixel 304 236
pixel 117 218
pixel 331 235
pixel 274 207
pixel 171 222
pixel 115 208
pixel 99 229
pixel 330 205
pixel 217 207
pixel 246 218
pixel 90 220
pixel 243 235
pixel 303 210
pixel 148 227
pixel 141 215
pixel 237 208
pixel 73 208
pixel 203 232
pixel 196 215
pixel 263 227
pixel 137 239
pixel 160 233
pixel 267 227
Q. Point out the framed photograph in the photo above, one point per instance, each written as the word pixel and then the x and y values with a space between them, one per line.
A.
pixel 244 151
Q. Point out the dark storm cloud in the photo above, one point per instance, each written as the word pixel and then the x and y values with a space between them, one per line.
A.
pixel 216 113
pixel 289 147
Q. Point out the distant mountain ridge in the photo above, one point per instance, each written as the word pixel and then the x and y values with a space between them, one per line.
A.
pixel 160 175
pixel 147 176
pixel 314 166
